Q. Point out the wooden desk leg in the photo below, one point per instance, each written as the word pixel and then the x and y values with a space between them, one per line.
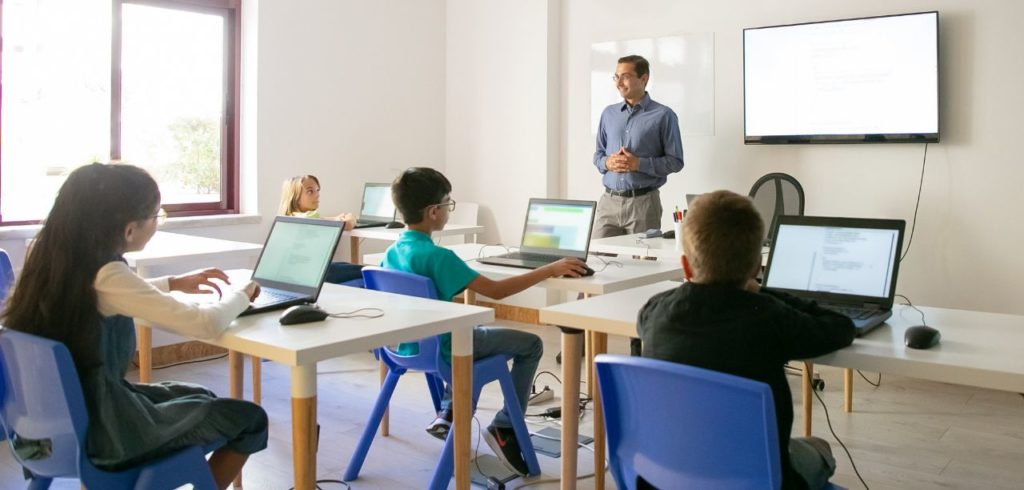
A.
pixel 236 373
pixel 848 390
pixel 462 396
pixel 144 341
pixel 304 426
pixel 588 356
pixel 257 380
pixel 571 344
pixel 354 245
pixel 385 422
pixel 469 297
pixel 600 343
pixel 806 382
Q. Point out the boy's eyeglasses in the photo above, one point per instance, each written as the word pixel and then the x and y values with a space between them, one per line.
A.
pixel 450 204
pixel 160 216
pixel 624 77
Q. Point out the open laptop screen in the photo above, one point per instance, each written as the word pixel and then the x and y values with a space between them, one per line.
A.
pixel 297 252
pixel 835 255
pixel 377 203
pixel 558 227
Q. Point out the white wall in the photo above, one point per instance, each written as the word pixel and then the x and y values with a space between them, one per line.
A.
pixel 966 249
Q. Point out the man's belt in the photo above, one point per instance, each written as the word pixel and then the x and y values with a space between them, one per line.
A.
pixel 630 192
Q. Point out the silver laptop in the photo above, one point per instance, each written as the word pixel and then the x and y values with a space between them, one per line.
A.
pixel 293 263
pixel 848 265
pixel 554 229
pixel 378 209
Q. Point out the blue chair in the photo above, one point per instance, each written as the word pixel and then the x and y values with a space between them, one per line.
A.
pixel 678 426
pixel 42 400
pixel 429 360
pixel 6 274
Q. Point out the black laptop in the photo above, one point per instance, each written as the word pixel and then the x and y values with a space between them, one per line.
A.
pixel 378 209
pixel 293 263
pixel 554 229
pixel 848 265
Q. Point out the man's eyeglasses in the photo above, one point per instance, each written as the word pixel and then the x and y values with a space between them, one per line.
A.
pixel 624 77
pixel 160 216
pixel 450 204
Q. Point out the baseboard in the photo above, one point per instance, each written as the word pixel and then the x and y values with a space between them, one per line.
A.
pixel 184 351
pixel 513 313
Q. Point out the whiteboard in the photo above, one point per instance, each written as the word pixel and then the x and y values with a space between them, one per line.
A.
pixel 682 77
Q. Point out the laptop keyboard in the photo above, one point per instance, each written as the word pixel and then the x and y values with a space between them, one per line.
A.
pixel 267 297
pixel 533 257
pixel 854 313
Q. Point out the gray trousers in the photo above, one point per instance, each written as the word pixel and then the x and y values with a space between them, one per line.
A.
pixel 623 215
pixel 812 458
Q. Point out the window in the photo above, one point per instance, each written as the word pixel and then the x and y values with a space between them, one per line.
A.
pixel 150 82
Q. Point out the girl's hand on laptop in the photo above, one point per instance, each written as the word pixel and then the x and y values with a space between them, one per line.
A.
pixel 252 290
pixel 569 266
pixel 348 218
pixel 190 283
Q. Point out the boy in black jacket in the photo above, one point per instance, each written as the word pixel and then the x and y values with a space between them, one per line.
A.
pixel 720 319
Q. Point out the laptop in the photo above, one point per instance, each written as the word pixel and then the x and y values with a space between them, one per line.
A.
pixel 293 263
pixel 378 209
pixel 554 229
pixel 848 265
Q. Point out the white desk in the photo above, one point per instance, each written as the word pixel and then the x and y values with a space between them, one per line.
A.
pixel 172 248
pixel 636 244
pixel 621 273
pixel 614 314
pixel 392 234
pixel 977 349
pixel 301 347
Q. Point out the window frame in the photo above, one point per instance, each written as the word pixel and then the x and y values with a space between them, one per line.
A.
pixel 230 12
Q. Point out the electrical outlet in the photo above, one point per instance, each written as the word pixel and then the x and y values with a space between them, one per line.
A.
pixel 542 396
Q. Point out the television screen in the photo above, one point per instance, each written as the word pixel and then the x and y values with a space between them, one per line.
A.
pixel 847 81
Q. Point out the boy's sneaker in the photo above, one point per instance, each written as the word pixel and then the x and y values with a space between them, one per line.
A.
pixel 505 446
pixel 441 425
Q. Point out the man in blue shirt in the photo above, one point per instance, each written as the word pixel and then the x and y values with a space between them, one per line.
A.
pixel 638 146
pixel 423 196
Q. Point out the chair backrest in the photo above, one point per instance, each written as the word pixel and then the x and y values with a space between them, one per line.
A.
pixel 678 426
pixel 6 274
pixel 391 281
pixel 43 400
pixel 774 195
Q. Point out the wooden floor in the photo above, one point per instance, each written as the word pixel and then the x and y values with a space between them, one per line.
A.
pixel 906 434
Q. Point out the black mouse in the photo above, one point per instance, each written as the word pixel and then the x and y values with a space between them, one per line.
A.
pixel 302 314
pixel 587 271
pixel 669 234
pixel 395 224
pixel 921 337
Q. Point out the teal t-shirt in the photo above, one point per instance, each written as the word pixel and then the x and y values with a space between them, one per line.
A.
pixel 416 252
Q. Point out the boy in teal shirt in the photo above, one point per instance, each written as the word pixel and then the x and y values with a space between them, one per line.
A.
pixel 423 196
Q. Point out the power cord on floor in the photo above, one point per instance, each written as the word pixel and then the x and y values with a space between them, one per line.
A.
pixel 840 441
pixel 317 483
pixel 556 480
pixel 876 384
pixel 191 361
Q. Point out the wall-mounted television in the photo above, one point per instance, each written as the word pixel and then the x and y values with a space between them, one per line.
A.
pixel 865 80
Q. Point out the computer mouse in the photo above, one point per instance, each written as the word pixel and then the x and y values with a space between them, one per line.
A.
pixel 668 235
pixel 652 233
pixel 302 314
pixel 587 272
pixel 395 224
pixel 921 337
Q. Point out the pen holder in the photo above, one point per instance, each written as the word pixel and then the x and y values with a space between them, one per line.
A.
pixel 678 227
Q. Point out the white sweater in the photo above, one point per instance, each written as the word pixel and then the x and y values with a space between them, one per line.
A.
pixel 120 291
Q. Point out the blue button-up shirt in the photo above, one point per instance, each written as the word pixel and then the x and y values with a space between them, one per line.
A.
pixel 650 131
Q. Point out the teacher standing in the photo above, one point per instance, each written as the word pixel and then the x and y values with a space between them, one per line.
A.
pixel 638 146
